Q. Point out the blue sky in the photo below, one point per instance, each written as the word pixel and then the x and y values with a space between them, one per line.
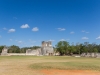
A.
pixel 28 22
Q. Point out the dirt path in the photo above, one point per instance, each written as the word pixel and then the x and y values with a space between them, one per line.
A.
pixel 69 72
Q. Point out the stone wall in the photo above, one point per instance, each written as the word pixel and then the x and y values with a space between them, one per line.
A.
pixel 90 55
pixel 4 51
pixel 47 50
pixel 9 54
pixel 33 52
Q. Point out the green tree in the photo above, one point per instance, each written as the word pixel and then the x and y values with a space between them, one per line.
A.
pixel 95 50
pixel 35 47
pixel 1 47
pixel 14 49
pixel 78 47
pixel 62 47
pixel 71 50
pixel 85 50
pixel 23 50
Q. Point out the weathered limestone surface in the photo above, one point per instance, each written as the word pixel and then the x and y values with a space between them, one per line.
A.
pixel 4 51
pixel 46 49
pixel 33 52
pixel 97 55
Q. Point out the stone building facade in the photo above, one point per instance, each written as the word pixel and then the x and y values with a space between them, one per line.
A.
pixel 4 51
pixel 33 52
pixel 46 49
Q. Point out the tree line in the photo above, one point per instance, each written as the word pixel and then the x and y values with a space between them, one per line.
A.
pixel 17 49
pixel 63 47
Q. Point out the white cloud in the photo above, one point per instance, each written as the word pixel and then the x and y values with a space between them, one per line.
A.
pixel 61 29
pixel 20 42
pixel 25 26
pixel 72 32
pixel 35 29
pixel 86 32
pixel 98 38
pixel 11 30
pixel 10 39
pixel 14 17
pixel 31 41
pixel 62 40
pixel 4 28
pixel 83 30
pixel 85 38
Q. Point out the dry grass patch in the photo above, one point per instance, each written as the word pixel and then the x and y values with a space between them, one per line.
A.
pixel 35 65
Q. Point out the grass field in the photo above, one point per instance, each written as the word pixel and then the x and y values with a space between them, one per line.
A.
pixel 48 65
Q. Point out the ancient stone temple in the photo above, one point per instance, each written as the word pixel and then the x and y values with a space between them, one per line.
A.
pixel 4 51
pixel 46 49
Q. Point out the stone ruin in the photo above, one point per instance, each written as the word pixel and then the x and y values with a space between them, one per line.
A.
pixel 4 51
pixel 46 49
pixel 95 55
pixel 33 52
